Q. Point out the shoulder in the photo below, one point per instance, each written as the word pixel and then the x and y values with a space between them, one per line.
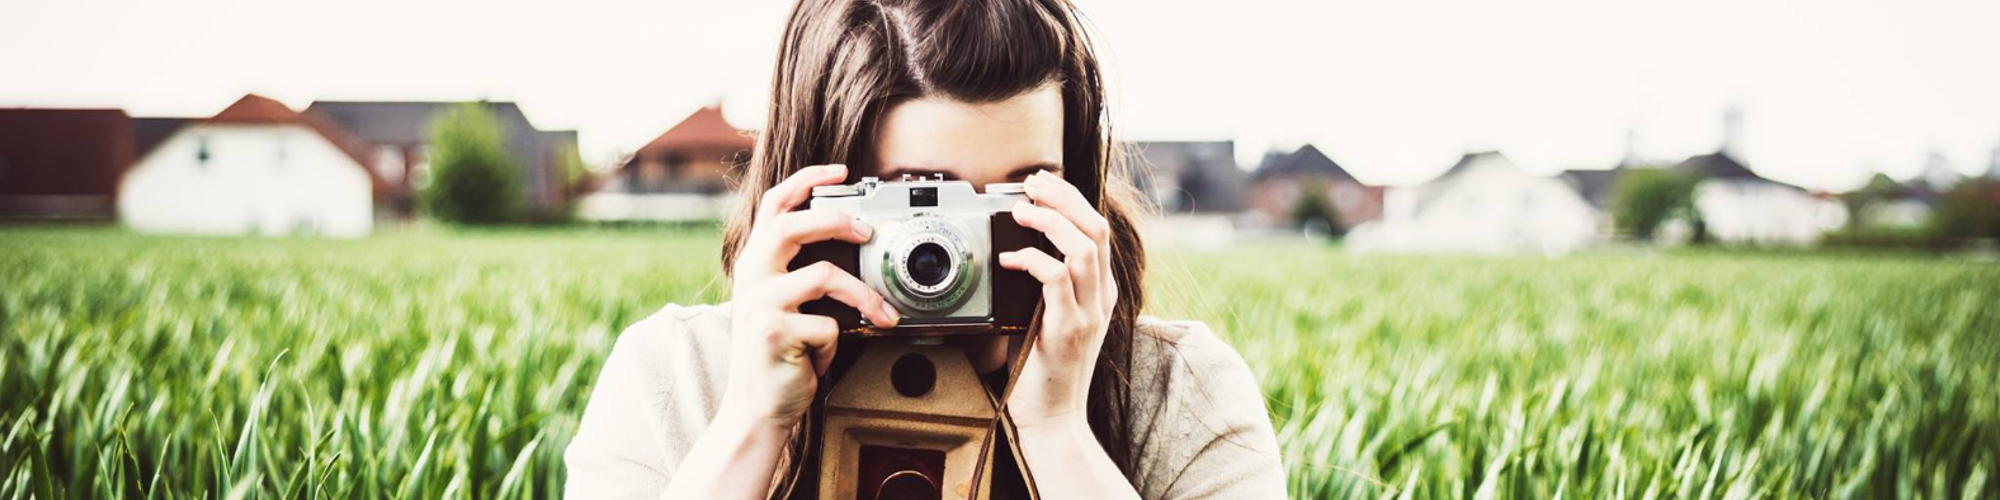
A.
pixel 1186 362
pixel 679 355
pixel 686 346
pixel 1198 418
pixel 674 330
pixel 655 394
pixel 1187 344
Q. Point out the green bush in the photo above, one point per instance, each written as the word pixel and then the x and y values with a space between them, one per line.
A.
pixel 474 180
pixel 1648 197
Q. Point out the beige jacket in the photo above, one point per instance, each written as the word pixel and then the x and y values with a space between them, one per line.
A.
pixel 1199 426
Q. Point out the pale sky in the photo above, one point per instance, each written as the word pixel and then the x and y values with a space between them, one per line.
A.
pixel 1394 90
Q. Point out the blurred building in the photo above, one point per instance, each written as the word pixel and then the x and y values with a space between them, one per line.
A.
pixel 1280 181
pixel 1482 204
pixel 1884 203
pixel 1185 177
pixel 257 167
pixel 1197 186
pixel 683 174
pixel 62 163
pixel 1600 189
pixel 1737 206
pixel 398 135
pixel 149 132
pixel 1740 207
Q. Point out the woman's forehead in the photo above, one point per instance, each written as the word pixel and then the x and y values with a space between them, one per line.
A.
pixel 977 141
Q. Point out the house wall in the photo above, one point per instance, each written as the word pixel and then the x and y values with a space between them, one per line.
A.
pixel 660 207
pixel 1757 212
pixel 701 170
pixel 258 179
pixel 1488 208
pixel 1903 213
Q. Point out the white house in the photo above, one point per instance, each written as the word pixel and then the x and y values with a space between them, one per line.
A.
pixel 1738 206
pixel 1483 204
pixel 255 168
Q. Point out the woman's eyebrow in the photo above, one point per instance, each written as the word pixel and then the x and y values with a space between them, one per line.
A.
pixel 1024 172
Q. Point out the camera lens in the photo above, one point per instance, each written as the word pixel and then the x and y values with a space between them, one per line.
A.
pixel 929 264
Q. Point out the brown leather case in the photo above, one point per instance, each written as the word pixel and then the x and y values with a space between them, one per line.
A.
pixel 845 255
pixel 1016 294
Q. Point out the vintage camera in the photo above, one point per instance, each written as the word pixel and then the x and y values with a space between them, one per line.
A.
pixel 902 414
pixel 933 254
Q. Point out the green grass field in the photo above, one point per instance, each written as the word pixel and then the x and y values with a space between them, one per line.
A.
pixel 442 364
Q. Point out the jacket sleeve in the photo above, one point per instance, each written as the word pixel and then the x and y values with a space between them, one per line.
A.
pixel 656 393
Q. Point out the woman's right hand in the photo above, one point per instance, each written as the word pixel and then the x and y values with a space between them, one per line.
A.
pixel 778 353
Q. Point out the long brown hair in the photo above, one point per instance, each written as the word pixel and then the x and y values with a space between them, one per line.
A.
pixel 842 63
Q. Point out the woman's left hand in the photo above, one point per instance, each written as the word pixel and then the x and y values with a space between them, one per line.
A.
pixel 1078 293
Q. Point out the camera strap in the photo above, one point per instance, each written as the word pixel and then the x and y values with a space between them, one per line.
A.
pixel 1003 426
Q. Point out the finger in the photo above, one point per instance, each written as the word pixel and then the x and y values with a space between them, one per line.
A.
pixel 823 279
pixel 1052 191
pixel 797 188
pixel 802 338
pixel 817 337
pixel 791 230
pixel 1080 254
pixel 1057 288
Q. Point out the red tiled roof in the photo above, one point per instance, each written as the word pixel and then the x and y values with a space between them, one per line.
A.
pixel 253 108
pixel 702 130
pixel 256 109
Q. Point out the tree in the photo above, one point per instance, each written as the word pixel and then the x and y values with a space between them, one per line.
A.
pixel 1969 212
pixel 474 180
pixel 1313 212
pixel 1648 197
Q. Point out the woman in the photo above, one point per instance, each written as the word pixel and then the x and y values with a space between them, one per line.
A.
pixel 702 402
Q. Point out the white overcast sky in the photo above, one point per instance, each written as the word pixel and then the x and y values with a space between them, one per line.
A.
pixel 1394 90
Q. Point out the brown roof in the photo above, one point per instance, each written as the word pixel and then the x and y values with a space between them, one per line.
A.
pixel 705 129
pixel 253 108
pixel 256 109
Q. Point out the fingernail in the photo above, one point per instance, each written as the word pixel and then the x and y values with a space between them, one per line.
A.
pixel 862 229
pixel 836 168
pixel 889 313
pixel 1021 205
pixel 1006 257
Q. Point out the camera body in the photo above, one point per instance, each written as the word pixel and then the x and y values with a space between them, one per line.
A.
pixel 901 413
pixel 934 252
